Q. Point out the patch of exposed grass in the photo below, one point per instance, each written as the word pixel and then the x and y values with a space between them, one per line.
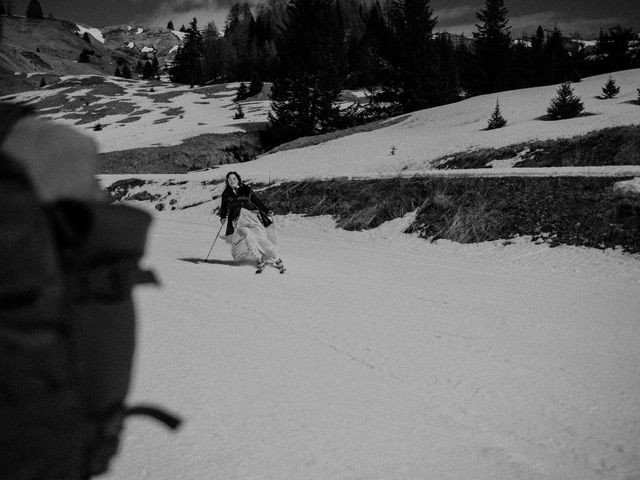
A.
pixel 120 189
pixel 203 151
pixel 609 146
pixel 561 210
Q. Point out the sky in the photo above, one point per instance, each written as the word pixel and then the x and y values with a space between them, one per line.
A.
pixel 456 16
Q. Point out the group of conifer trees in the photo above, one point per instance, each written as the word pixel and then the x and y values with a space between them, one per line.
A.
pixel 34 9
pixel 312 49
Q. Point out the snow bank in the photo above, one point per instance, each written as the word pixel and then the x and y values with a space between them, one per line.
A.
pixel 94 32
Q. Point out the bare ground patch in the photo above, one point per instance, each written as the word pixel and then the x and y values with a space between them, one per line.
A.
pixel 203 151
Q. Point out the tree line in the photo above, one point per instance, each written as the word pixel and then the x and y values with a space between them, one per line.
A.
pixel 312 49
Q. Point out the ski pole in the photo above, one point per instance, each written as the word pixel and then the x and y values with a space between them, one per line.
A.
pixel 214 242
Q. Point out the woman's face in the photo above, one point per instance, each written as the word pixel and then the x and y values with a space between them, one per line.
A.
pixel 232 180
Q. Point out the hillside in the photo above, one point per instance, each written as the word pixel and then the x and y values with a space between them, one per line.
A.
pixel 33 50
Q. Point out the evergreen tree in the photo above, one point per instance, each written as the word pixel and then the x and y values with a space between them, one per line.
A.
pixel 86 38
pixel 187 66
pixel 557 60
pixel 496 120
pixel 367 64
pixel 308 81
pixel 34 10
pixel 214 59
pixel 565 104
pixel 117 73
pixel 242 92
pixel 613 48
pixel 170 25
pixel 183 29
pixel 417 79
pixel 147 71
pixel 84 56
pixel 256 86
pixel 155 64
pixel 537 76
pixel 493 48
pixel 610 88
pixel 43 83
pixel 263 41
pixel 238 32
pixel 126 71
pixel 239 112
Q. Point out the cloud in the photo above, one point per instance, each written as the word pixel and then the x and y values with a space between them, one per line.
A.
pixel 461 12
pixel 182 12
pixel 527 24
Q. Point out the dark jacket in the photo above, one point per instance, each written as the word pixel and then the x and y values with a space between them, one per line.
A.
pixel 243 197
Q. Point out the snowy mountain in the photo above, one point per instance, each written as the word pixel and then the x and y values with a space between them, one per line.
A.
pixel 36 50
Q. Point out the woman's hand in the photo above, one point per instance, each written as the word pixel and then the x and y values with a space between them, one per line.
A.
pixel 223 220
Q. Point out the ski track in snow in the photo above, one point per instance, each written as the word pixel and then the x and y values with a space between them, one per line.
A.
pixel 379 355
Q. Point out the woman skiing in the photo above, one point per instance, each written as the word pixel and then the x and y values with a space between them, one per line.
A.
pixel 248 220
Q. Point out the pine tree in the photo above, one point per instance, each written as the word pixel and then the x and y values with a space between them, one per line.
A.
pixel 126 71
pixel 493 48
pixel 417 79
pixel 239 112
pixel 170 25
pixel 557 60
pixel 34 10
pixel 538 57
pixel 214 63
pixel 238 35
pixel 147 71
pixel 84 56
pixel 256 86
pixel 117 73
pixel 187 66
pixel 496 120
pixel 613 47
pixel 311 55
pixel 565 104
pixel 86 38
pixel 242 92
pixel 610 88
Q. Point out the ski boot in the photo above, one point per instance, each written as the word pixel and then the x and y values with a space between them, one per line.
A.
pixel 259 266
pixel 279 265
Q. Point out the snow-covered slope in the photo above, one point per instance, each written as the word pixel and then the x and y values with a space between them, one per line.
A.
pixel 378 355
pixel 381 356
pixel 429 134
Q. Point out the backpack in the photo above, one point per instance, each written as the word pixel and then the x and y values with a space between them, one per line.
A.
pixel 67 330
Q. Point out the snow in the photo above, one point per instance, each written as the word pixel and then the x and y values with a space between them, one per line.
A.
pixel 179 34
pixel 379 355
pixel 629 186
pixel 147 49
pixel 94 32
pixel 422 137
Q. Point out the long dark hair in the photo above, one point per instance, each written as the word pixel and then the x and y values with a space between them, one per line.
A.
pixel 226 180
